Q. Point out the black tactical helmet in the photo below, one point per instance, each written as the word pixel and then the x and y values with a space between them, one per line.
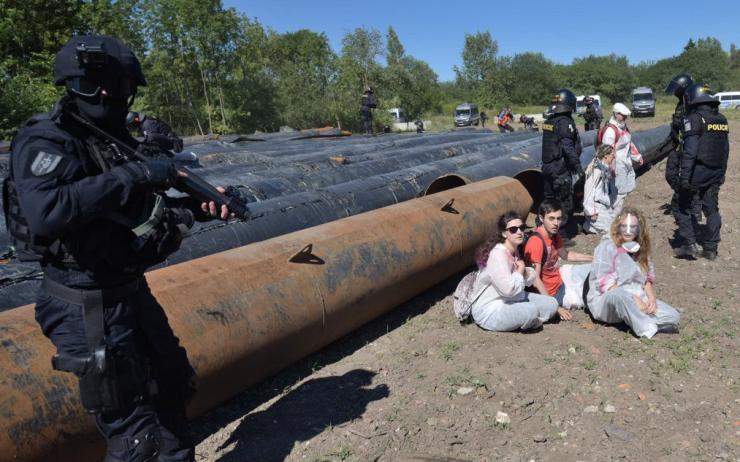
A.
pixel 699 93
pixel 678 85
pixel 563 101
pixel 89 63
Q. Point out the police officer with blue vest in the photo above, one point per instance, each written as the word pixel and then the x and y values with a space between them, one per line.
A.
pixel 705 152
pixel 561 151
pixel 95 222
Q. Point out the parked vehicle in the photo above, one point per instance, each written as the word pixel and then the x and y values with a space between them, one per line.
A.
pixel 466 114
pixel 643 102
pixel 399 115
pixel 728 99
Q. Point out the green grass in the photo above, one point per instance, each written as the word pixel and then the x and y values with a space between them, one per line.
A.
pixel 448 350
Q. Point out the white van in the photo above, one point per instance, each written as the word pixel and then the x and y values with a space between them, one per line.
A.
pixel 466 114
pixel 398 114
pixel 728 99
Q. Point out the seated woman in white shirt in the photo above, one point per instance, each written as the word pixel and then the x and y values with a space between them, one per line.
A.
pixel 500 301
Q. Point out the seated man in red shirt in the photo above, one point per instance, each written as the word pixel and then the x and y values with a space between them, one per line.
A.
pixel 550 246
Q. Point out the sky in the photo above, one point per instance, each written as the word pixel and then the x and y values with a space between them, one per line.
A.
pixel 434 30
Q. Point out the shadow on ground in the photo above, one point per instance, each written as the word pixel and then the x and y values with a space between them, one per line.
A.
pixel 300 415
pixel 309 408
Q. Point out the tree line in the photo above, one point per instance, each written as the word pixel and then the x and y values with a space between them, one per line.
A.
pixel 211 69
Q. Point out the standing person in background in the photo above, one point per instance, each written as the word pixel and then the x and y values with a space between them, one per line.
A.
pixel 599 192
pixel 617 135
pixel 483 118
pixel 561 153
pixel 622 279
pixel 706 148
pixel 500 301
pixel 154 131
pixel 367 104
pixel 592 115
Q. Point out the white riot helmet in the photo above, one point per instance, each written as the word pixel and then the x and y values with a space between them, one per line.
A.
pixel 620 108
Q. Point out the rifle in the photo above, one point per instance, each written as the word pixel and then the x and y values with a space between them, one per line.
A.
pixel 188 182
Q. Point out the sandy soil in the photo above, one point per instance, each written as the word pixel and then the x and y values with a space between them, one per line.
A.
pixel 415 385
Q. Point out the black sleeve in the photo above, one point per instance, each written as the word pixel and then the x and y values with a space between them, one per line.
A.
pixel 55 193
pixel 568 137
pixel 690 132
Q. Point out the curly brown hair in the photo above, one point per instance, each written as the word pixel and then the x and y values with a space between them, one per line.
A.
pixel 643 239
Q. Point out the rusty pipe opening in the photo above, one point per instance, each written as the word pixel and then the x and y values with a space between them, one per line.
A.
pixel 444 183
pixel 532 182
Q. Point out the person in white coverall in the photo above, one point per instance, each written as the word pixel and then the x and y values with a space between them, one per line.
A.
pixel 617 135
pixel 500 301
pixel 599 192
pixel 622 280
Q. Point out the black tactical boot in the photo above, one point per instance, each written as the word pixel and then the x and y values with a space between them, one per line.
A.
pixel 709 254
pixel 689 251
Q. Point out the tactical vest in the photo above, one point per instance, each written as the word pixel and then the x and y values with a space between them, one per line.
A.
pixel 713 151
pixel 29 246
pixel 551 135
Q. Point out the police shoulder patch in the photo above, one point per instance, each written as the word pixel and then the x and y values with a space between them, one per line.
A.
pixel 45 163
pixel 686 125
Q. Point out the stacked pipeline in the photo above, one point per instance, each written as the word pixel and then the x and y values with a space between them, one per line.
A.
pixel 301 179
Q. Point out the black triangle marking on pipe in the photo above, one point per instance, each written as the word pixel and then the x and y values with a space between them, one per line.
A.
pixel 449 208
pixel 305 255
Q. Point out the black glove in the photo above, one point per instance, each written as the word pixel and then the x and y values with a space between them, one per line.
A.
pixel 160 172
pixel 578 171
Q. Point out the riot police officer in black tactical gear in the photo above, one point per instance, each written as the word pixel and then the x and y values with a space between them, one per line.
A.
pixel 592 115
pixel 561 151
pixel 677 87
pixel 367 104
pixel 155 132
pixel 706 148
pixel 95 222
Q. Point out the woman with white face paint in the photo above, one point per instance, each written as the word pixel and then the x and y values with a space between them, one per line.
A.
pixel 617 134
pixel 621 283
pixel 500 301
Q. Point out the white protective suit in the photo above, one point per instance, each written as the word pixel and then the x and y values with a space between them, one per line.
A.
pixel 624 152
pixel 502 303
pixel 612 265
pixel 599 197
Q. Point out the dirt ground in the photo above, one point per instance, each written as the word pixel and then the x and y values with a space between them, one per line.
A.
pixel 416 385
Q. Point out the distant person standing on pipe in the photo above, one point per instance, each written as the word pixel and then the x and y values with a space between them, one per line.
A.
pixel 367 104
pixel 617 134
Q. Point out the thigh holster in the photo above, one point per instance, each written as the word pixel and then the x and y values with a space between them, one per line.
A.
pixel 109 380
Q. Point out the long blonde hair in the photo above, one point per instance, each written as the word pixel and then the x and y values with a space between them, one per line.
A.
pixel 643 238
pixel 603 151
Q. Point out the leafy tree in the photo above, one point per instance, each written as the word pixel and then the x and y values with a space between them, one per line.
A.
pixel 394 48
pixel 533 79
pixel 302 65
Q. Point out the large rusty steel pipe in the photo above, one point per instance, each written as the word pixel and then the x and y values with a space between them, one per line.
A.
pixel 246 313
